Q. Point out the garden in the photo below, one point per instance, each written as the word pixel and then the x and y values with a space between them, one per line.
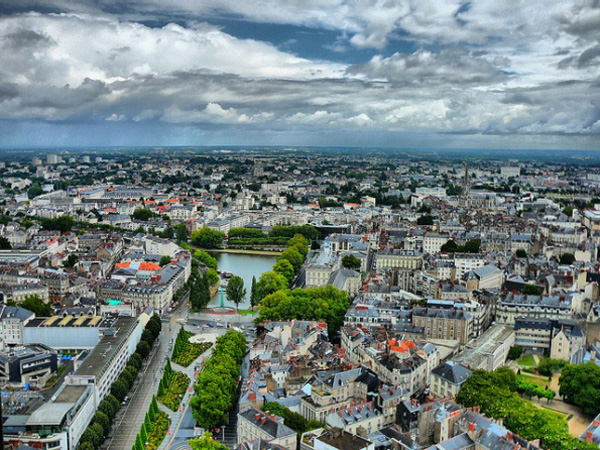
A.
pixel 154 429
pixel 186 352
pixel 172 387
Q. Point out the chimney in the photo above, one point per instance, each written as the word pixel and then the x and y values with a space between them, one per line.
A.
pixel 596 423
pixel 471 427
pixel 589 436
pixel 256 417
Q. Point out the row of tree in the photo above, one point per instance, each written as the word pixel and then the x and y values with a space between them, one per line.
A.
pixel 217 383
pixel 496 394
pixel 320 303
pixel 154 428
pixel 99 427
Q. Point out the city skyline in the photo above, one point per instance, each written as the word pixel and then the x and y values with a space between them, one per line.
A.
pixel 408 75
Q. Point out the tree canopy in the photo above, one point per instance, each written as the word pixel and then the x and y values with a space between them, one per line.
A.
pixel 207 238
pixel 235 291
pixel 35 304
pixel 580 385
pixel 351 262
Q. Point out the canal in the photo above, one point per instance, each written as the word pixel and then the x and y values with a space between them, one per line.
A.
pixel 245 266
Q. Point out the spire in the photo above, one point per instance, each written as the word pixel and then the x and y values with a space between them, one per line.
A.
pixel 466 182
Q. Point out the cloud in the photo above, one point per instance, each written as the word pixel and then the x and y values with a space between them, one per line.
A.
pixel 473 67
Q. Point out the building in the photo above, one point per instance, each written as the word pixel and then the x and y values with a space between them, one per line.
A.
pixel 67 332
pixel 254 424
pixel 32 365
pixel 13 319
pixel 447 379
pixel 444 323
pixel 339 439
pixel 513 306
pixel 401 259
pixel 485 277
pixel 561 338
pixel 489 351
pixel 363 418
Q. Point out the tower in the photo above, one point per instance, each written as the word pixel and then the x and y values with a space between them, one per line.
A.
pixel 466 183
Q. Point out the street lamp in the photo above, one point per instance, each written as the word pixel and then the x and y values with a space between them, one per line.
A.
pixel 223 433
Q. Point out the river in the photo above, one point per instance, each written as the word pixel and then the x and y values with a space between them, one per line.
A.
pixel 245 266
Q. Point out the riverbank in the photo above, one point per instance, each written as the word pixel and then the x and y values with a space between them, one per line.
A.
pixel 240 251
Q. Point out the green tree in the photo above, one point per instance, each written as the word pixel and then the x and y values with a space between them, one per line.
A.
pixel 143 349
pixel 206 259
pixel 182 234
pixel 580 385
pixel 521 253
pixel 515 352
pixel 254 293
pixel 270 282
pixel 5 243
pixel 567 258
pixel 119 389
pixel 164 260
pixel 142 214
pixel 35 304
pixel 71 261
pixel 284 267
pixel 425 220
pixel 104 421
pixel 92 435
pixel 532 289
pixel 449 247
pixel 235 290
pixel 34 190
pixel 351 262
pixel 62 224
pixel 207 238
pixel 206 442
pixel 86 446
pixel 292 255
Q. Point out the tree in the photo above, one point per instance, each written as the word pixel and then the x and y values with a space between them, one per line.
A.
pixel 182 234
pixel 142 214
pixel 515 352
pixel 35 304
pixel 104 421
pixel 71 261
pixel 532 289
pixel 143 349
pixel 86 446
pixel 425 220
pixel 449 247
pixel 580 385
pixel 206 442
pixel 92 436
pixel 254 293
pixel 351 262
pixel 119 389
pixel 270 282
pixel 62 224
pixel 521 253
pixel 164 260
pixel 207 238
pixel 567 258
pixel 292 255
pixel 235 290
pixel 284 267
pixel 5 243
pixel 206 259
pixel 34 190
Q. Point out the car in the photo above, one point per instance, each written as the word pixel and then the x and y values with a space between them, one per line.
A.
pixel 243 327
pixel 220 325
pixel 195 324
pixel 210 324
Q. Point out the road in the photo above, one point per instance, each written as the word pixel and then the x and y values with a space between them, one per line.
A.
pixel 129 420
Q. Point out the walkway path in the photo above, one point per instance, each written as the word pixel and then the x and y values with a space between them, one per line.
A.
pixel 177 416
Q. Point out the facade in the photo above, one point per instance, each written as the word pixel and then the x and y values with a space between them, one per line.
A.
pixel 32 365
pixel 513 306
pixel 443 323
pixel 400 259
pixel 447 379
pixel 254 424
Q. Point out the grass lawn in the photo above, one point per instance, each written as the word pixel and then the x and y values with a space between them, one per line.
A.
pixel 539 382
pixel 247 312
pixel 526 360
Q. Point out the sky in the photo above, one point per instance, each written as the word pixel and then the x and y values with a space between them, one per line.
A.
pixel 409 74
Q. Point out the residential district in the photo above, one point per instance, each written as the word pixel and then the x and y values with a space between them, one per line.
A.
pixel 411 302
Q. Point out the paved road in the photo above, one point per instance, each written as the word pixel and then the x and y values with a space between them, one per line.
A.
pixel 130 417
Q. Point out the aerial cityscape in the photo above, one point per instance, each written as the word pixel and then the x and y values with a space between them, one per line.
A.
pixel 299 225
